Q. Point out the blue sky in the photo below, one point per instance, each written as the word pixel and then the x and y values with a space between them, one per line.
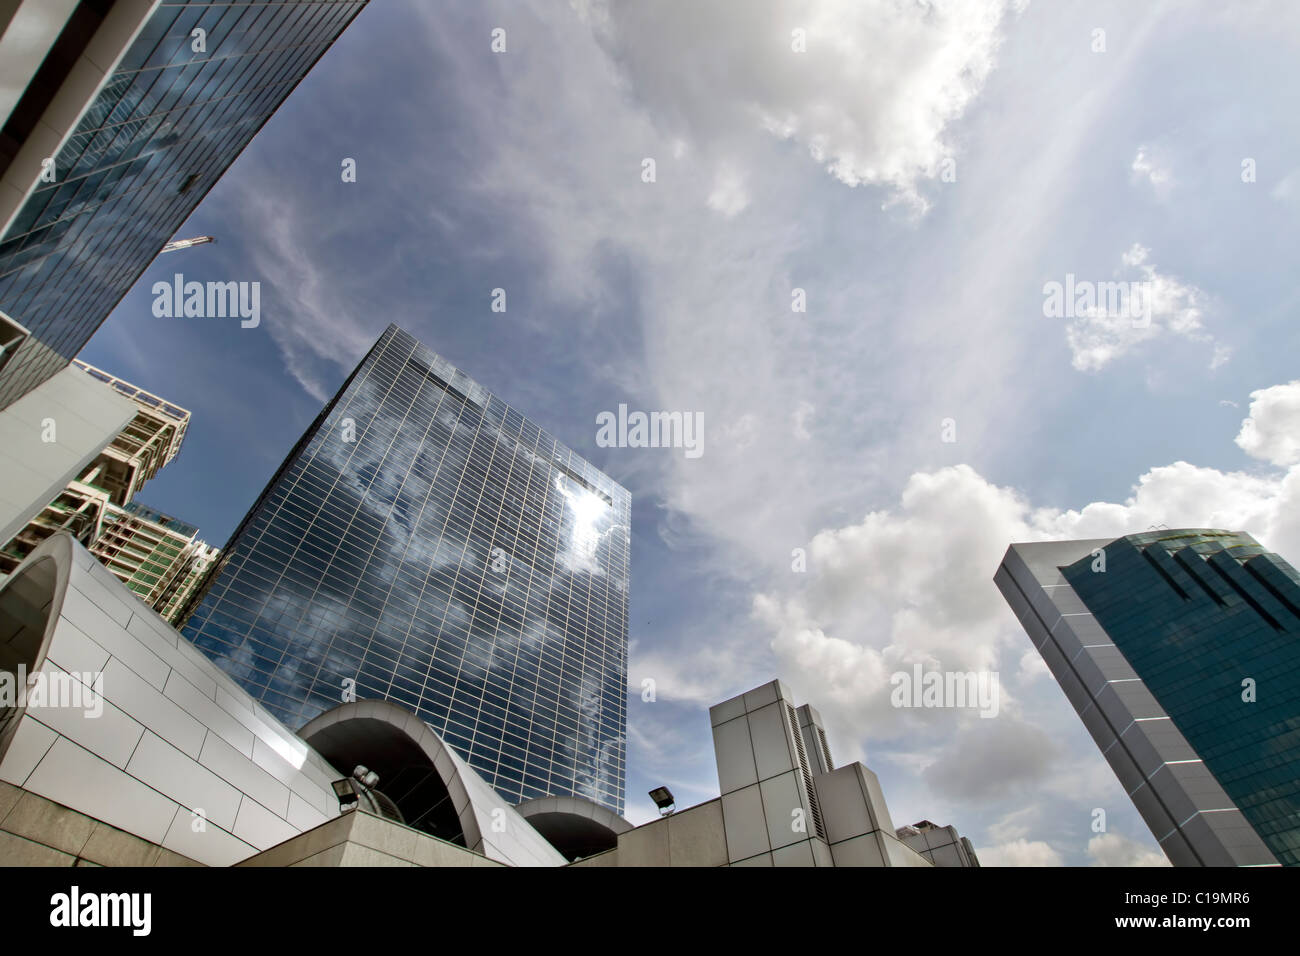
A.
pixel 829 170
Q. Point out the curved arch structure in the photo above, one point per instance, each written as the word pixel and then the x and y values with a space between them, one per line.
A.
pixel 26 626
pixel 431 784
pixel 107 710
pixel 576 827
pixel 405 753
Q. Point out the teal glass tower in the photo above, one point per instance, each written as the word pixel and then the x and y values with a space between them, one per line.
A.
pixel 426 543
pixel 1180 649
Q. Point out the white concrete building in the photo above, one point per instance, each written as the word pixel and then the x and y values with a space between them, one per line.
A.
pixel 48 438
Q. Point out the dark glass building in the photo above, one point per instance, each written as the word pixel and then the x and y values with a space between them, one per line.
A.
pixel 1181 651
pixel 153 140
pixel 426 543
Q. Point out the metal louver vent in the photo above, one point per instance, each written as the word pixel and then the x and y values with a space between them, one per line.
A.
pixel 826 750
pixel 805 776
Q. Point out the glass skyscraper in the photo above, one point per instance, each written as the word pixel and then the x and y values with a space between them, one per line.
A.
pixel 167 122
pixel 426 543
pixel 1181 651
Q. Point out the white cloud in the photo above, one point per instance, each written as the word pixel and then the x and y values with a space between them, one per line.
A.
pixel 1019 853
pixel 1032 667
pixel 728 196
pixel 1165 305
pixel 1112 849
pixel 871 99
pixel 708 675
pixel 1146 166
pixel 914 583
pixel 1272 431
pixel 1015 825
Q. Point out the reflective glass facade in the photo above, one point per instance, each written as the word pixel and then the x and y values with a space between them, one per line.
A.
pixel 1195 613
pixel 428 542
pixel 163 129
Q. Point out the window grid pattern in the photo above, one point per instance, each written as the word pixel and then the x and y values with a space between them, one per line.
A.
pixel 451 557
pixel 1195 613
pixel 155 139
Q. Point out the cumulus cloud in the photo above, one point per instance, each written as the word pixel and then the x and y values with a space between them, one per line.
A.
pixel 1272 431
pixel 913 583
pixel 1112 849
pixel 1153 304
pixel 868 91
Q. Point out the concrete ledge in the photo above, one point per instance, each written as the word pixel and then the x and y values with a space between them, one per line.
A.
pixel 35 831
pixel 359 838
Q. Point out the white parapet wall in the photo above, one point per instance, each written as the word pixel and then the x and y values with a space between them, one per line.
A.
pixel 48 437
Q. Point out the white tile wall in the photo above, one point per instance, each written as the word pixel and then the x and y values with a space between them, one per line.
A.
pixel 727 710
pixel 175 734
pixel 228 763
pixel 206 711
pixel 30 743
pixel 302 815
pixel 74 651
pixel 112 734
pixel 167 719
pixel 844 809
pixel 781 798
pixel 194 787
pixel 212 845
pixel 799 854
pixel 859 851
pixel 743 820
pixel 734 752
pixel 770 733
pixel 259 826
pixel 73 776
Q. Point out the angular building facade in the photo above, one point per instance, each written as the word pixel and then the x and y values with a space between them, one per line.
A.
pixel 158 557
pixel 426 544
pixel 103 487
pixel 1180 650
pixel 48 440
pixel 783 803
pixel 133 115
pixel 149 441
